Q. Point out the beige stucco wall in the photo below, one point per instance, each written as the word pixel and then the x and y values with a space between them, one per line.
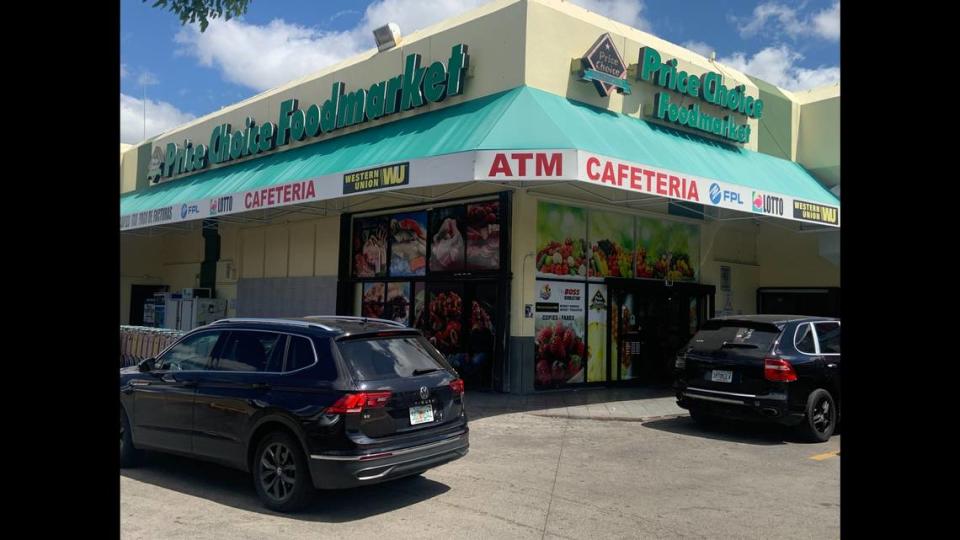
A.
pixel 818 146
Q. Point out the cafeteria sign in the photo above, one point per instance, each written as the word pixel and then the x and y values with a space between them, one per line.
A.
pixel 376 178
pixel 605 67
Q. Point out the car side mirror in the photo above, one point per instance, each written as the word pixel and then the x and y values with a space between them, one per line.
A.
pixel 147 364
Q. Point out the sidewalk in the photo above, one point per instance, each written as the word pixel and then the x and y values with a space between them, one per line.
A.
pixel 623 404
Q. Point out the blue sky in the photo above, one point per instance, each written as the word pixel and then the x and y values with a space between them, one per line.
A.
pixel 188 74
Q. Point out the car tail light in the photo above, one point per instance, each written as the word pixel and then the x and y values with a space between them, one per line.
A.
pixel 355 403
pixel 778 370
pixel 457 387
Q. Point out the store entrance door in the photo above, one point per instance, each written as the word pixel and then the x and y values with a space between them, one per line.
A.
pixel 649 323
pixel 465 321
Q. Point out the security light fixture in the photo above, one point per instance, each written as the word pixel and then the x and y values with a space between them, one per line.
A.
pixel 387 36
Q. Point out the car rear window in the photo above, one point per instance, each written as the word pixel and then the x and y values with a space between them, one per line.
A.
pixel 742 336
pixel 390 358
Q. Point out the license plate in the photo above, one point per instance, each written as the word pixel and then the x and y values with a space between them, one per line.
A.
pixel 421 414
pixel 720 375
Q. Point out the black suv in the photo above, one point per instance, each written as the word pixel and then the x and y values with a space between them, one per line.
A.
pixel 780 368
pixel 316 402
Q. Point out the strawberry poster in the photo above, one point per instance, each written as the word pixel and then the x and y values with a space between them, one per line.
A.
pixel 560 351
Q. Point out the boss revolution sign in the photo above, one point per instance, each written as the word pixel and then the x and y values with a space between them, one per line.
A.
pixel 413 88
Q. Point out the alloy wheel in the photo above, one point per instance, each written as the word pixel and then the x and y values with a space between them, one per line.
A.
pixel 278 471
pixel 821 415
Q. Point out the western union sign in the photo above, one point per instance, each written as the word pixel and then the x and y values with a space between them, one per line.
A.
pixel 815 212
pixel 377 178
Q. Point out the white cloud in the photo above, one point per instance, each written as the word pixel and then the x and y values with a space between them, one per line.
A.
pixel 161 116
pixel 123 71
pixel 777 65
pixel 826 23
pixel 265 56
pixel 699 47
pixel 147 79
pixel 629 12
pixel 775 20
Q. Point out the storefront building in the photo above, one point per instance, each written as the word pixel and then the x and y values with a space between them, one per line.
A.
pixel 554 198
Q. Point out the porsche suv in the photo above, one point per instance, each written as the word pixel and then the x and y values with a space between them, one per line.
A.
pixel 776 368
pixel 301 404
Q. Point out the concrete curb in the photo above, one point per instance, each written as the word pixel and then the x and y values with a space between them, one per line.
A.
pixel 610 418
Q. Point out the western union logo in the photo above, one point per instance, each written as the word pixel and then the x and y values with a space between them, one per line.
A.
pixel 815 212
pixel 387 176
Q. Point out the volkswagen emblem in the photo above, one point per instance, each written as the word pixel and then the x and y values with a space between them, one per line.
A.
pixel 424 393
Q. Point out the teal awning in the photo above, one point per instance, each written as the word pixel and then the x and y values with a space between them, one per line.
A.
pixel 521 118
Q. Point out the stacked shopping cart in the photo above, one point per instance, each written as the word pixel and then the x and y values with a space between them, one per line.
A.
pixel 140 342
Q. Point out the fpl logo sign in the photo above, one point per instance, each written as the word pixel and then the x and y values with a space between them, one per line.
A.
pixel 717 195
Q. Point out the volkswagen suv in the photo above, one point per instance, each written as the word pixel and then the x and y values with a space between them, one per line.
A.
pixel 314 402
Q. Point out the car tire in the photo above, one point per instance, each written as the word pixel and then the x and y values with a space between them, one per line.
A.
pixel 130 456
pixel 280 490
pixel 820 419
pixel 702 418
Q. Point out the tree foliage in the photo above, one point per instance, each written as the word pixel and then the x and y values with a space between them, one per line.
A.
pixel 191 11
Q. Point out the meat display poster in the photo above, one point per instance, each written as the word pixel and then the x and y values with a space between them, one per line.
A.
pixel 408 244
pixel 447 247
pixel 483 236
pixel 559 315
pixel 370 247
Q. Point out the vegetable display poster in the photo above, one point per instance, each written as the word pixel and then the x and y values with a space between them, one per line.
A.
pixel 597 333
pixel 561 241
pixel 611 245
pixel 559 329
pixel 667 249
pixel 408 244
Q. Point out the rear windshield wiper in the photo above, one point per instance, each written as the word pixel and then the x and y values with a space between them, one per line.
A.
pixel 425 371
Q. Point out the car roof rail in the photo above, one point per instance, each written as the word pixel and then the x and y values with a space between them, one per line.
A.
pixel 294 322
pixel 353 318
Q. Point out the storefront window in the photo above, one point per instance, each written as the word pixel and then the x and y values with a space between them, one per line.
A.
pixel 408 244
pixel 483 236
pixel 398 303
pixel 447 238
pixel 370 247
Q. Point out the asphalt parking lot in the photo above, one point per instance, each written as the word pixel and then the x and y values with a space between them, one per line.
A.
pixel 530 476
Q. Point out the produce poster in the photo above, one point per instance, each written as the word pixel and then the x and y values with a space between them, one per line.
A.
pixel 448 245
pixel 559 342
pixel 596 332
pixel 667 249
pixel 370 247
pixel 398 302
pixel 611 245
pixel 408 244
pixel 561 241
pixel 483 236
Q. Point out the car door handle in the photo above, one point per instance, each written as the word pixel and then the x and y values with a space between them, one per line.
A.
pixel 139 383
pixel 831 365
pixel 260 386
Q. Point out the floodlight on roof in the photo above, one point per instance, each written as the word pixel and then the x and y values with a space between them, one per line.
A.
pixel 387 36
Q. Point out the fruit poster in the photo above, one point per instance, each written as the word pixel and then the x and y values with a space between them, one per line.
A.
pixel 596 332
pixel 483 236
pixel 667 250
pixel 561 241
pixel 611 245
pixel 408 244
pixel 448 246
pixel 560 350
pixel 370 247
